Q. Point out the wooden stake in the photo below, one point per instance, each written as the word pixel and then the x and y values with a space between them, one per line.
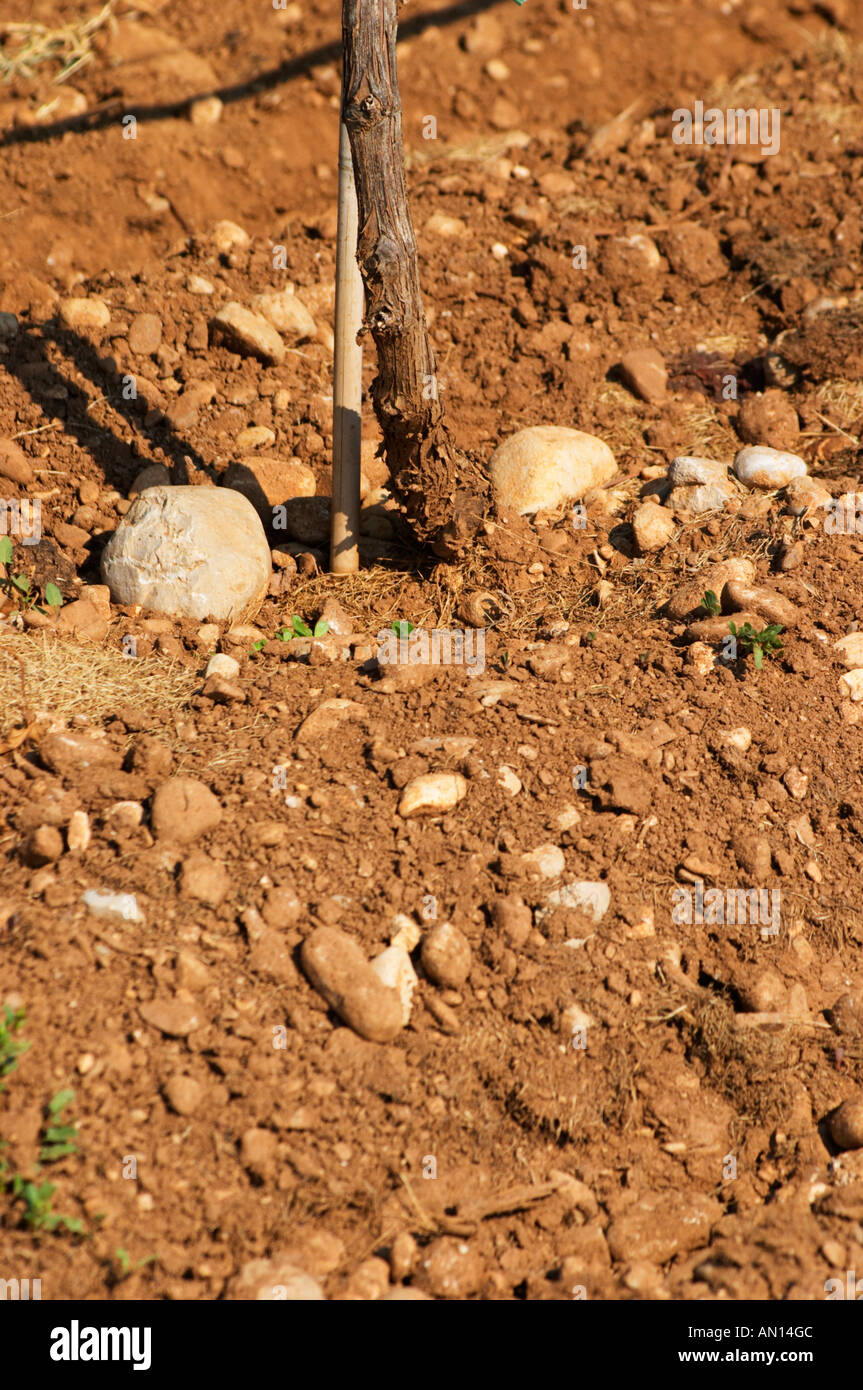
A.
pixel 436 485
pixel 347 377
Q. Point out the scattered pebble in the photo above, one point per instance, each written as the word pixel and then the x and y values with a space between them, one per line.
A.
pixel 701 658
pixel 653 526
pixel 547 861
pixel 183 810
pixel 513 919
pixel 805 494
pixel 769 604
pixel 78 832
pixel 644 372
pixel 145 334
pixel 740 739
pixel 540 467
pixel 176 1018
pixel 206 111
pixel 328 716
pixel 228 236
pixel 255 437
pixel 85 313
pixel 14 463
pixel 698 484
pixel 222 665
pixel 249 332
pixel 432 794
pixel 447 227
pixel 124 817
pixel 123 906
pixel 685 602
pixel 394 969
pixel 204 880
pixel 275 1280
pixel 199 284
pixel 183 1094
pixel 591 898
pixel 846 1123
pixel 286 313
pixel 337 968
pixel 453 1269
pixel 508 779
pixel 446 955
pixel 43 845
pixel 850 649
pixel 758 466
pixel 851 685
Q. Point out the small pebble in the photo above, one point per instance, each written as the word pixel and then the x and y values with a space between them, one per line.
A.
pixel 804 494
pixel 184 809
pixel 432 794
pixel 593 899
pixel 850 649
pixel 85 313
pixel 447 227
pixel 176 1018
pixel 206 111
pixel 183 1094
pixel 394 969
pixel 758 466
pixel 740 739
pixel 547 861
pixel 846 1123
pixel 221 665
pixel 250 333
pixel 228 236
pixel 123 906
pixel 653 526
pixel 78 833
pixel 851 685
pixel 446 955
pixel 337 968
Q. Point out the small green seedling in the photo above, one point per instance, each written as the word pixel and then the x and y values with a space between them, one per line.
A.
pixel 11 1047
pixel 37 1212
pixel 300 629
pixel 58 1141
pixel 126 1266
pixel 297 629
pixel 711 603
pixel 760 644
pixel 18 588
pixel 402 628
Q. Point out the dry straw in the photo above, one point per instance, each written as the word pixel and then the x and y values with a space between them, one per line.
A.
pixel 45 677
pixel 24 46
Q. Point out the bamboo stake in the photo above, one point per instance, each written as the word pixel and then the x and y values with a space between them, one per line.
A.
pixel 347 377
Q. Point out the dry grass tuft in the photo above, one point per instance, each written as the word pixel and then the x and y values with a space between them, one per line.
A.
pixel 750 1069
pixel 23 46
pixel 42 675
pixel 841 401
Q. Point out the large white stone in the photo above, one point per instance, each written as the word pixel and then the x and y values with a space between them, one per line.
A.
pixel 541 467
pixel 759 466
pixel 193 552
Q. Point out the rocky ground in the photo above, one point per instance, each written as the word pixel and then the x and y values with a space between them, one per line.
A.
pixel 343 978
